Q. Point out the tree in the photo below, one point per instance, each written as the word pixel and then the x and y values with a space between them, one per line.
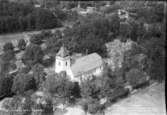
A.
pixel 4 68
pixel 91 105
pixel 82 36
pixel 22 44
pixel 13 104
pixel 48 62
pixel 50 84
pixel 135 77
pixel 89 89
pixel 110 81
pixel 25 69
pixel 8 56
pixel 18 17
pixel 5 86
pixel 76 91
pixel 38 74
pixel 33 54
pixel 135 58
pixel 7 63
pixel 45 19
pixel 60 87
pixel 155 47
pixel 8 47
pixel 60 14
pixel 48 107
pixel 58 34
pixel 23 82
pixel 23 104
pixel 36 39
pixel 137 29
pixel 53 44
pixel 114 23
pixel 125 30
pixel 84 106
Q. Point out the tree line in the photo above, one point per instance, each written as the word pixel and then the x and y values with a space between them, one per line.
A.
pixel 17 17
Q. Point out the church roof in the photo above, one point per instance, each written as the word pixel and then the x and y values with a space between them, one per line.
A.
pixel 86 64
pixel 63 52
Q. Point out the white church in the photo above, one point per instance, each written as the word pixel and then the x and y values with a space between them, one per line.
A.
pixel 78 68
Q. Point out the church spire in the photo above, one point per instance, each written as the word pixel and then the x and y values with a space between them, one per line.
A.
pixel 63 52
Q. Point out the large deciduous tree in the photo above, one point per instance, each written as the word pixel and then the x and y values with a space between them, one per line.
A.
pixel 33 54
pixel 8 47
pixel 90 89
pixel 60 87
pixel 5 85
pixel 156 57
pixel 136 77
pixel 23 82
pixel 22 44
pixel 82 36
pixel 38 74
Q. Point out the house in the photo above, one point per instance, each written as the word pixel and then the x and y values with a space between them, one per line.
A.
pixel 78 69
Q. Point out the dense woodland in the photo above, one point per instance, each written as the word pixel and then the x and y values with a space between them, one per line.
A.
pixel 17 17
pixel 88 34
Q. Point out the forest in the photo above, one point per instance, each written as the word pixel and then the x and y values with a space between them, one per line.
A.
pixel 18 17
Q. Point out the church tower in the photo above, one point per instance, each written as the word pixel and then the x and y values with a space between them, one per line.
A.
pixel 62 62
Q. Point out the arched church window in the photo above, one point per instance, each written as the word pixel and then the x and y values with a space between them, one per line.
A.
pixel 66 63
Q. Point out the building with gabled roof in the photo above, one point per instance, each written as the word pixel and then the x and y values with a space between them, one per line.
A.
pixel 78 69
pixel 86 64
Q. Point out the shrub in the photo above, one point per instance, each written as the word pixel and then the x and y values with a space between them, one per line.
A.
pixel 8 47
pixel 23 82
pixel 22 44
pixel 118 93
pixel 5 86
pixel 135 77
pixel 48 62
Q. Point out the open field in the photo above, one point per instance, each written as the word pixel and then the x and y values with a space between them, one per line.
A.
pixel 9 37
pixel 16 36
pixel 149 101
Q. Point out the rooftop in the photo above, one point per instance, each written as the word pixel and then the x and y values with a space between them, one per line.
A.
pixel 86 64
pixel 63 52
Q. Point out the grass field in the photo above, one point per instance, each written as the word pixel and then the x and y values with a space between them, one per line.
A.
pixel 9 37
pixel 16 36
pixel 148 101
